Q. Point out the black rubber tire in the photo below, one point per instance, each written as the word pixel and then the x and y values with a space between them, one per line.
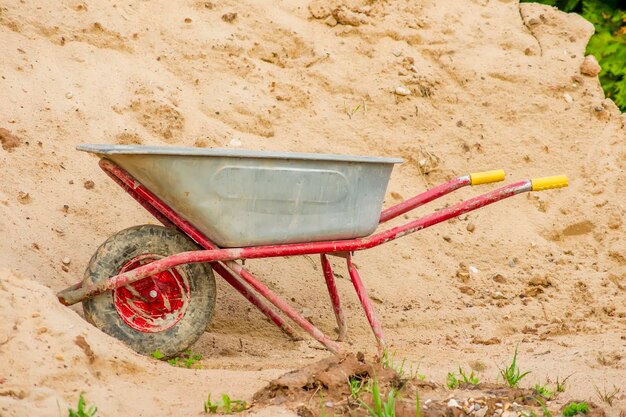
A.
pixel 120 248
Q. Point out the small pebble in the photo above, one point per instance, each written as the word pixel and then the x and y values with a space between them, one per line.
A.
pixel 590 66
pixel 453 403
pixel 234 143
pixel 66 261
pixel 69 95
pixel 59 357
pixel 23 197
pixel 470 227
pixel 89 184
pixel 229 17
pixel 307 313
pixel 447 238
pixel 402 91
pixel 568 98
pixel 473 269
pixel 35 314
pixel 482 412
pixel 187 20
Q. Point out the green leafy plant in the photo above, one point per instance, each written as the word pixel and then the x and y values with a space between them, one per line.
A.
pixel 381 407
pixel 560 385
pixel 209 406
pixel 608 44
pixel 512 374
pixel 187 360
pixel 357 384
pixel 225 406
pixel 453 381
pixel 544 391
pixel 157 354
pixel 388 361
pixel 573 409
pixel 81 410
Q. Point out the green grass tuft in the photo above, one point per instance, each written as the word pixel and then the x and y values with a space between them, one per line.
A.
pixel 573 409
pixel 512 374
pixel 81 410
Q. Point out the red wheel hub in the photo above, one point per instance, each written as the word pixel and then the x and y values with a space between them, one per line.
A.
pixel 155 303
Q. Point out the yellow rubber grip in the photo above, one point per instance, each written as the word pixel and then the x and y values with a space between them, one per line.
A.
pixel 486 177
pixel 546 183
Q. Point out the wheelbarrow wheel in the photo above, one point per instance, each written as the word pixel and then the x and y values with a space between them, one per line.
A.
pixel 167 311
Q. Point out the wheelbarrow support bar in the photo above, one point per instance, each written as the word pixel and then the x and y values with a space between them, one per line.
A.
pixel 226 255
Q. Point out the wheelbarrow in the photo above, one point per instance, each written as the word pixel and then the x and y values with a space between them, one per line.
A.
pixel 153 286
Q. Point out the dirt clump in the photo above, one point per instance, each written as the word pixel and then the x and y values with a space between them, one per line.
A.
pixel 8 140
pixel 346 386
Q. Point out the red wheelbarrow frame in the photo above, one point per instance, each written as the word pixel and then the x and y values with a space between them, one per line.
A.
pixel 223 261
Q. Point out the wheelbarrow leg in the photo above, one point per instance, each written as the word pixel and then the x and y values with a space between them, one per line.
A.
pixel 334 298
pixel 285 308
pixel 361 292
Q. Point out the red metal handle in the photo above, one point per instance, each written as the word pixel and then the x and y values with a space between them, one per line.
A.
pixel 423 198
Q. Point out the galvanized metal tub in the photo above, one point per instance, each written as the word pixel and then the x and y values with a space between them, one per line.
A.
pixel 244 198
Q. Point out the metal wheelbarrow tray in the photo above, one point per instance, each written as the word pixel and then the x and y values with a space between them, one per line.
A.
pixel 153 288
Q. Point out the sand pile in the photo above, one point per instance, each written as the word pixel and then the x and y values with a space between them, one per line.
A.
pixel 50 355
pixel 449 86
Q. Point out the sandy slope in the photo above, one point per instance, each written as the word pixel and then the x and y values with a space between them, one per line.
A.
pixel 492 85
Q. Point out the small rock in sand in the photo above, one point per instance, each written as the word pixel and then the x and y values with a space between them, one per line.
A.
pixel 89 184
pixel 66 261
pixel 568 98
pixel 590 66
pixel 470 227
pixel 345 16
pixel 453 403
pixel 499 279
pixel 481 413
pixel 23 197
pixel 615 220
pixel 8 140
pixel 402 91
pixel 307 313
pixel 498 295
pixel 229 17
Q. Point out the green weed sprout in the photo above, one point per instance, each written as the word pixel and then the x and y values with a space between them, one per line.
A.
pixel 573 409
pixel 511 374
pixel 81 411
pixel 381 407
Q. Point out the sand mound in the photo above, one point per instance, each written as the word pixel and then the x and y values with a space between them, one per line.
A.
pixel 50 355
pixel 449 86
